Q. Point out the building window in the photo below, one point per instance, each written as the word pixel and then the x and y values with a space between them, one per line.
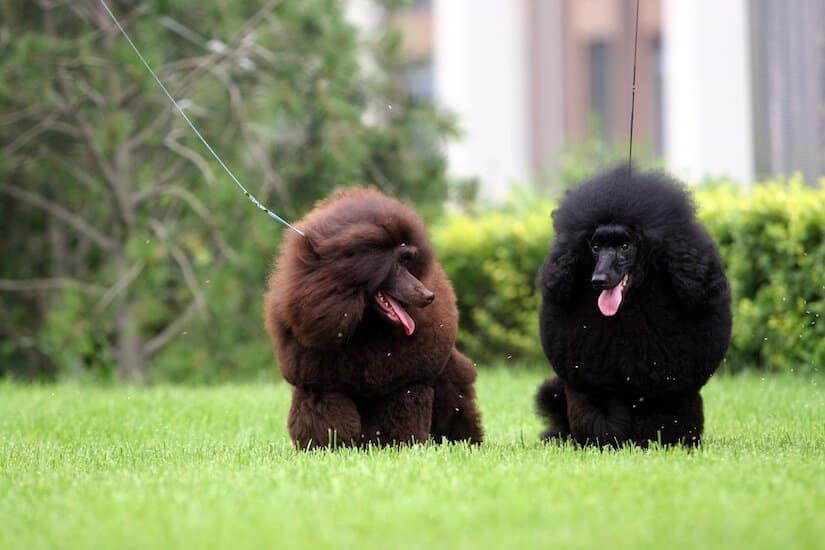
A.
pixel 420 81
pixel 599 62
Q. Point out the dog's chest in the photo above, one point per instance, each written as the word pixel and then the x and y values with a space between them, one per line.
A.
pixel 637 342
pixel 384 361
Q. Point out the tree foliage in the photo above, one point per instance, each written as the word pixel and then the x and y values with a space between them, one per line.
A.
pixel 124 245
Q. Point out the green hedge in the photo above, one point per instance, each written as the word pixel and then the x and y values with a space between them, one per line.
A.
pixel 771 238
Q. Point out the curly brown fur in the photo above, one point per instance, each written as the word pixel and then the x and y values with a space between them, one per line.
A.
pixel 370 358
pixel 635 313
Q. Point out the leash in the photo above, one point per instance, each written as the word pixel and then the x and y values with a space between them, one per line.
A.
pixel 633 95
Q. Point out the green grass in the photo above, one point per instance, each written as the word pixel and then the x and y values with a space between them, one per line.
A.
pixel 85 467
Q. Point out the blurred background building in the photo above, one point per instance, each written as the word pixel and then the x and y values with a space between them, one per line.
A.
pixel 724 89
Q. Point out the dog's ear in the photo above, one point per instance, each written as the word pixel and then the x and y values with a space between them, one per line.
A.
pixel 321 302
pixel 692 263
pixel 321 317
pixel 557 277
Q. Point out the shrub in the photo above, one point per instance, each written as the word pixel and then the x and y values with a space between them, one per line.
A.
pixel 493 260
pixel 773 245
pixel 771 239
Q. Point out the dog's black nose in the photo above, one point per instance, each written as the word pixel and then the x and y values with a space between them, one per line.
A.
pixel 599 280
pixel 428 297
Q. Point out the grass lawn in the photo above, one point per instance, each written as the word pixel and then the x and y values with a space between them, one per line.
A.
pixel 177 467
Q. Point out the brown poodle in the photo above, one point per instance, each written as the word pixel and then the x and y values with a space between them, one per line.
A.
pixel 364 322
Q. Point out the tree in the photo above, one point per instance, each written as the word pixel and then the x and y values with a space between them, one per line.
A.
pixel 124 244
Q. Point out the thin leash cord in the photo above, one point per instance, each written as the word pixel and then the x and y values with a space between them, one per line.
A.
pixel 633 96
pixel 249 195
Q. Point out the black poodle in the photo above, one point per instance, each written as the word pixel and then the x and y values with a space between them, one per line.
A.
pixel 635 313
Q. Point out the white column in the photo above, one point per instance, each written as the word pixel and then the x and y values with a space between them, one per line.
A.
pixel 707 100
pixel 481 74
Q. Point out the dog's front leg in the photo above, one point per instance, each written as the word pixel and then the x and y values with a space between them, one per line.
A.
pixel 597 423
pixel 678 419
pixel 401 417
pixel 323 419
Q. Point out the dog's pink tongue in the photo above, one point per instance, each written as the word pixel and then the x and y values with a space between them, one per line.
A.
pixel 403 316
pixel 610 300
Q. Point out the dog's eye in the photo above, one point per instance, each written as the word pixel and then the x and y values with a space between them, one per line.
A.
pixel 406 256
pixel 625 246
pixel 594 247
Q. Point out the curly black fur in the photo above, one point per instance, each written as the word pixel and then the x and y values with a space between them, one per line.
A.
pixel 632 374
